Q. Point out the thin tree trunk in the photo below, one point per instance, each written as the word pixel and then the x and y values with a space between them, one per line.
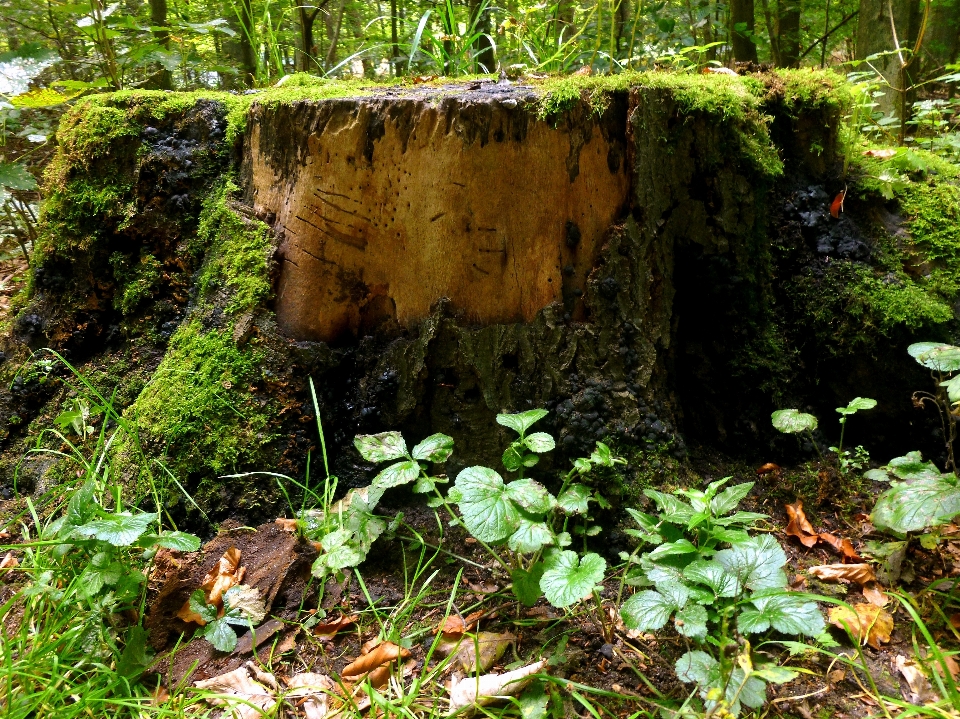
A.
pixel 741 30
pixel 394 42
pixel 773 32
pixel 334 35
pixel 875 30
pixel 248 62
pixel 788 32
pixel 483 57
pixel 158 18
pixel 308 50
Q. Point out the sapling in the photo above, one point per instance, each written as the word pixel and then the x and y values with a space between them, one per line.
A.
pixel 793 421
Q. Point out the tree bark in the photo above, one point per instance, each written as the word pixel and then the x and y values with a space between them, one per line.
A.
pixel 941 42
pixel 788 32
pixel 741 30
pixel 394 44
pixel 308 49
pixel 333 34
pixel 875 34
pixel 158 18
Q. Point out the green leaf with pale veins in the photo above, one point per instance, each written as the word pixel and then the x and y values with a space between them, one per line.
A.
pixel 380 447
pixel 936 356
pixel 714 575
pixel 575 499
pixel 435 448
pixel 180 541
pixel 488 512
pixel 674 510
pixel 691 621
pixel 526 584
pixel 397 474
pixel 857 404
pixel 530 496
pixel 793 421
pixel 540 442
pixel 530 537
pixel 667 549
pixel 912 466
pixel 695 667
pixel 788 613
pixel 729 498
pixel 221 635
pixel 15 176
pixel 522 421
pixel 569 579
pixel 915 505
pixel 120 530
pixel 649 610
pixel 757 563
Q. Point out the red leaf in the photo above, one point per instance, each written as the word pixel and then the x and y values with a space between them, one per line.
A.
pixel 837 205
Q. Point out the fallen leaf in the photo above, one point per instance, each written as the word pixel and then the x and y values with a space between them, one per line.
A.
pixel 4 534
pixel 287 525
pixel 861 574
pixel 920 689
pixel 874 595
pixel 328 630
pixel 243 697
pixel 881 154
pixel 483 587
pixel 313 691
pixel 769 468
pixel 955 620
pixel 480 691
pixel 452 626
pixel 952 666
pixel 159 695
pixel 226 573
pixel 836 207
pixel 836 676
pixel 870 623
pixel 480 652
pixel 383 653
pixel 799 526
pixel 843 547
pixel 9 561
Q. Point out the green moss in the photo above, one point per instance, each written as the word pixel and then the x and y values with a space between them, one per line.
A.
pixel 238 250
pixel 812 89
pixel 197 405
pixel 138 282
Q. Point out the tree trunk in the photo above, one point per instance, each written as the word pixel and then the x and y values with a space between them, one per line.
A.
pixel 248 61
pixel 158 18
pixel 483 56
pixel 741 30
pixel 333 34
pixel 308 50
pixel 394 44
pixel 788 32
pixel 941 42
pixel 875 35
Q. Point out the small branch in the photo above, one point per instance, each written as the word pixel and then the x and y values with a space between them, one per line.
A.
pixel 825 37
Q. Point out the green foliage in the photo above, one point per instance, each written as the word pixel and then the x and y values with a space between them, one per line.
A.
pixel 715 580
pixel 242 606
pixel 793 421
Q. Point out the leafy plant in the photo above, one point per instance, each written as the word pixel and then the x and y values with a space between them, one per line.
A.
pixel 718 583
pixel 243 606
pixel 793 421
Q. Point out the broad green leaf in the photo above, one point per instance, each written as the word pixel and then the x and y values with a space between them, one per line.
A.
pixel 857 404
pixel 788 613
pixel 575 499
pixel 729 498
pixel 660 573
pixel 81 506
pixel 180 541
pixel 540 442
pixel 380 447
pixel 531 496
pixel 753 692
pixel 915 505
pixel 526 584
pixel 936 356
pixel 695 667
pixel 877 475
pixel 120 530
pixel 774 673
pixel 569 579
pixel 488 513
pixel 435 448
pixel 602 456
pixel 137 656
pixel 757 563
pixel 746 519
pixel 530 537
pixel 397 474
pixel 714 575
pixel 952 386
pixel 512 459
pixel 15 176
pixel 731 536
pixel 423 485
pixel 674 510
pixel 647 522
pixel 912 466
pixel 649 610
pixel 221 635
pixel 793 421
pixel 198 605
pixel 691 621
pixel 521 421
pixel 681 546
pixel 533 702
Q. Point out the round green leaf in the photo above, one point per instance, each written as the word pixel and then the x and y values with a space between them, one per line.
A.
pixel 936 356
pixel 397 474
pixel 522 421
pixel 380 447
pixel 568 580
pixel 487 511
pixel 857 404
pixel 531 496
pixel 435 448
pixel 530 537
pixel 792 421
pixel 575 499
pixel 540 442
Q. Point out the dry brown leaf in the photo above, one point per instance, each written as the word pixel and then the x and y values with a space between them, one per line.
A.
pixel 287 525
pixel 799 526
pixel 4 534
pixel 480 691
pixel 836 676
pixel 871 624
pixel 452 626
pixel 379 676
pixel 874 595
pixel 861 574
pixel 9 561
pixel 881 154
pixel 491 647
pixel 328 630
pixel 769 468
pixel 159 696
pixel 843 547
pixel 920 689
pixel 225 574
pixel 313 692
pixel 383 653
pixel 238 692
